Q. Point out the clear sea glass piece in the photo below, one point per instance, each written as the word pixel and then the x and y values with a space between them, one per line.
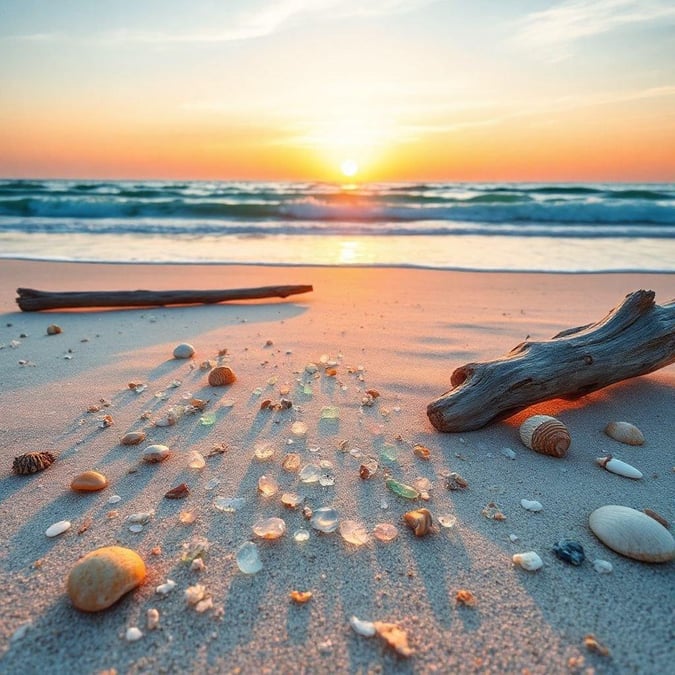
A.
pixel 385 532
pixel 207 419
pixel 301 535
pixel 299 429
pixel 267 486
pixel 353 532
pixel 402 490
pixel 291 500
pixel 307 390
pixel 196 460
pixel 325 519
pixel 310 473
pixel 327 479
pixel 229 504
pixel 447 521
pixel 263 451
pixel 389 453
pixel 248 558
pixel 269 528
pixel 291 462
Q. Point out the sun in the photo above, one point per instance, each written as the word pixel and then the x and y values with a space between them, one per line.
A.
pixel 349 168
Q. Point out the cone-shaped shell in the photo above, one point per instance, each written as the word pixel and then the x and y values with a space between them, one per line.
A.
pixel 103 576
pixel 545 435
pixel 625 432
pixel 618 467
pixel 89 481
pixel 632 533
pixel 32 462
pixel 221 376
pixel 419 521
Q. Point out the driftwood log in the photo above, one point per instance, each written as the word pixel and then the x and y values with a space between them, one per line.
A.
pixel 31 300
pixel 635 338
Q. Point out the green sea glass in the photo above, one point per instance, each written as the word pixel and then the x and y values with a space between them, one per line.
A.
pixel 330 412
pixel 402 490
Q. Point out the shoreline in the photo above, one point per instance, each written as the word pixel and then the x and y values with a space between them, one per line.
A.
pixel 400 331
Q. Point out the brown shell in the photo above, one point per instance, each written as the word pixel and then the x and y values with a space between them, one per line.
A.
pixel 421 451
pixel 32 462
pixel 545 435
pixel 179 492
pixel 419 521
pixel 89 481
pixel 133 438
pixel 221 376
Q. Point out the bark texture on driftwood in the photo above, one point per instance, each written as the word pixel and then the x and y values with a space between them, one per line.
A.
pixel 635 338
pixel 31 300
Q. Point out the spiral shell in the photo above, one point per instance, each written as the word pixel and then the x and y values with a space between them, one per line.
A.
pixel 545 435
pixel 32 462
pixel 221 376
pixel 632 533
pixel 419 521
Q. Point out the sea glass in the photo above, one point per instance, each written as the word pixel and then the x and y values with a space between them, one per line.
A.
pixel 325 519
pixel 301 535
pixel 269 528
pixel 353 532
pixel 385 532
pixel 228 504
pixel 196 460
pixel 263 451
pixel 310 473
pixel 267 486
pixel 402 490
pixel 330 412
pixel 248 558
pixel 299 429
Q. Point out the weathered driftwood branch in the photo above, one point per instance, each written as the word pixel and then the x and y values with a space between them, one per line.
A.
pixel 31 300
pixel 635 338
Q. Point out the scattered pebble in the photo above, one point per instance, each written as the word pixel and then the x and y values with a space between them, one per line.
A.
pixel 152 618
pixel 365 628
pixel 133 634
pixel 602 566
pixel 385 532
pixel 133 438
pixel 166 587
pixel 54 329
pixel 533 506
pixel 570 551
pixel 183 351
pixel 154 454
pixel 528 561
pixel 89 481
pixel 58 528
pixel 300 597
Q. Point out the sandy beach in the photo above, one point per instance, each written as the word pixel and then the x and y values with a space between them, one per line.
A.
pixel 400 332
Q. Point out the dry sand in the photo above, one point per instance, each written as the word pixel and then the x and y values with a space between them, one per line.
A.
pixel 407 330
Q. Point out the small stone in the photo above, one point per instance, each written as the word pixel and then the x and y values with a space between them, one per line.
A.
pixel 154 454
pixel 310 473
pixel 102 577
pixel 58 528
pixel 269 528
pixel 263 451
pixel 300 597
pixel 248 558
pixel 299 429
pixel 183 351
pixel 53 329
pixel 602 566
pixel 353 532
pixel 330 412
pixel 267 486
pixel 133 634
pixel 325 519
pixel 385 532
pixel 421 451
pixel 301 535
pixel 570 551
pixel 455 482
pixel 133 438
pixel 89 481
pixel 152 618
pixel 533 506
pixel 166 587
pixel 528 561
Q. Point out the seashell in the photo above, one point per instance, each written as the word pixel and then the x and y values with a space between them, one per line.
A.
pixel 394 636
pixel 133 634
pixel 529 560
pixel 465 597
pixel 421 451
pixel 133 438
pixel 602 566
pixel 58 528
pixel 221 376
pixel 618 467
pixel 632 533
pixel 545 435
pixel 625 432
pixel 155 453
pixel 53 329
pixel 183 351
pixel 152 618
pixel 103 576
pixel 89 481
pixel 32 462
pixel 455 482
pixel 179 492
pixel 657 517
pixel 365 628
pixel 419 521
pixel 300 597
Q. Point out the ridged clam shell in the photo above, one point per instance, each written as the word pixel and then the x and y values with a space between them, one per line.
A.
pixel 32 462
pixel 618 467
pixel 221 376
pixel 632 533
pixel 625 432
pixel 546 435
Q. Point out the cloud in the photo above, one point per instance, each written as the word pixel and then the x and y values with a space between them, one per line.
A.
pixel 556 28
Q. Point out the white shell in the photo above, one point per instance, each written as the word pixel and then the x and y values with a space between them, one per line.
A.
pixel 531 505
pixel 602 566
pixel 625 432
pixel 365 628
pixel 57 528
pixel 134 633
pixel 618 467
pixel 166 587
pixel 632 533
pixel 529 560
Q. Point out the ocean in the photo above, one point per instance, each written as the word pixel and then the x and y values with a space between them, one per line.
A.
pixel 486 226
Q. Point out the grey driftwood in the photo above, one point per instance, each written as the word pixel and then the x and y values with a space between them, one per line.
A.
pixel 635 338
pixel 31 300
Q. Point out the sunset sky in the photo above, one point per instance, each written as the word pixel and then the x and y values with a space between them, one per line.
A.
pixel 537 90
